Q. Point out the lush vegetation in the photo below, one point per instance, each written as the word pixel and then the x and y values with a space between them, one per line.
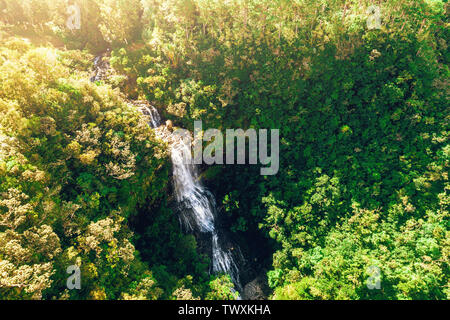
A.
pixel 363 118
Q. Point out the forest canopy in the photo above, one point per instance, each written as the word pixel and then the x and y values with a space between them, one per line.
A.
pixel 358 90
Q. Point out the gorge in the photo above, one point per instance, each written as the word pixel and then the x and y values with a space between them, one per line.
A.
pixel 195 204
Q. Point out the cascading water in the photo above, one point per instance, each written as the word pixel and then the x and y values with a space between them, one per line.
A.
pixel 223 261
pixel 197 207
pixel 196 204
pixel 150 112
pixel 101 68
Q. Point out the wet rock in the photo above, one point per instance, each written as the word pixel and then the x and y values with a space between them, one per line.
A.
pixel 169 125
pixel 256 289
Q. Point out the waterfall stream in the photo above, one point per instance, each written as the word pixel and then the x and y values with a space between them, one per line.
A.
pixel 196 205
pixel 151 112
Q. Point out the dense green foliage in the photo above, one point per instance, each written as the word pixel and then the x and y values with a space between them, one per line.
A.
pixel 76 163
pixel 363 118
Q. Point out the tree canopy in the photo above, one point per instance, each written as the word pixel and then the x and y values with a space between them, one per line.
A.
pixel 358 89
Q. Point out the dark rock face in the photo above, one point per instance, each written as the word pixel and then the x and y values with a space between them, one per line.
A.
pixel 256 289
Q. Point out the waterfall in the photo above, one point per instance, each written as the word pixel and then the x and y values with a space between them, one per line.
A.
pixel 101 68
pixel 154 120
pixel 196 203
pixel 197 206
pixel 223 261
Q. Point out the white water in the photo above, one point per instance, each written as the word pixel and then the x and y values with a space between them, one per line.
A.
pixel 223 261
pixel 197 205
pixel 101 68
pixel 194 200
pixel 154 120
